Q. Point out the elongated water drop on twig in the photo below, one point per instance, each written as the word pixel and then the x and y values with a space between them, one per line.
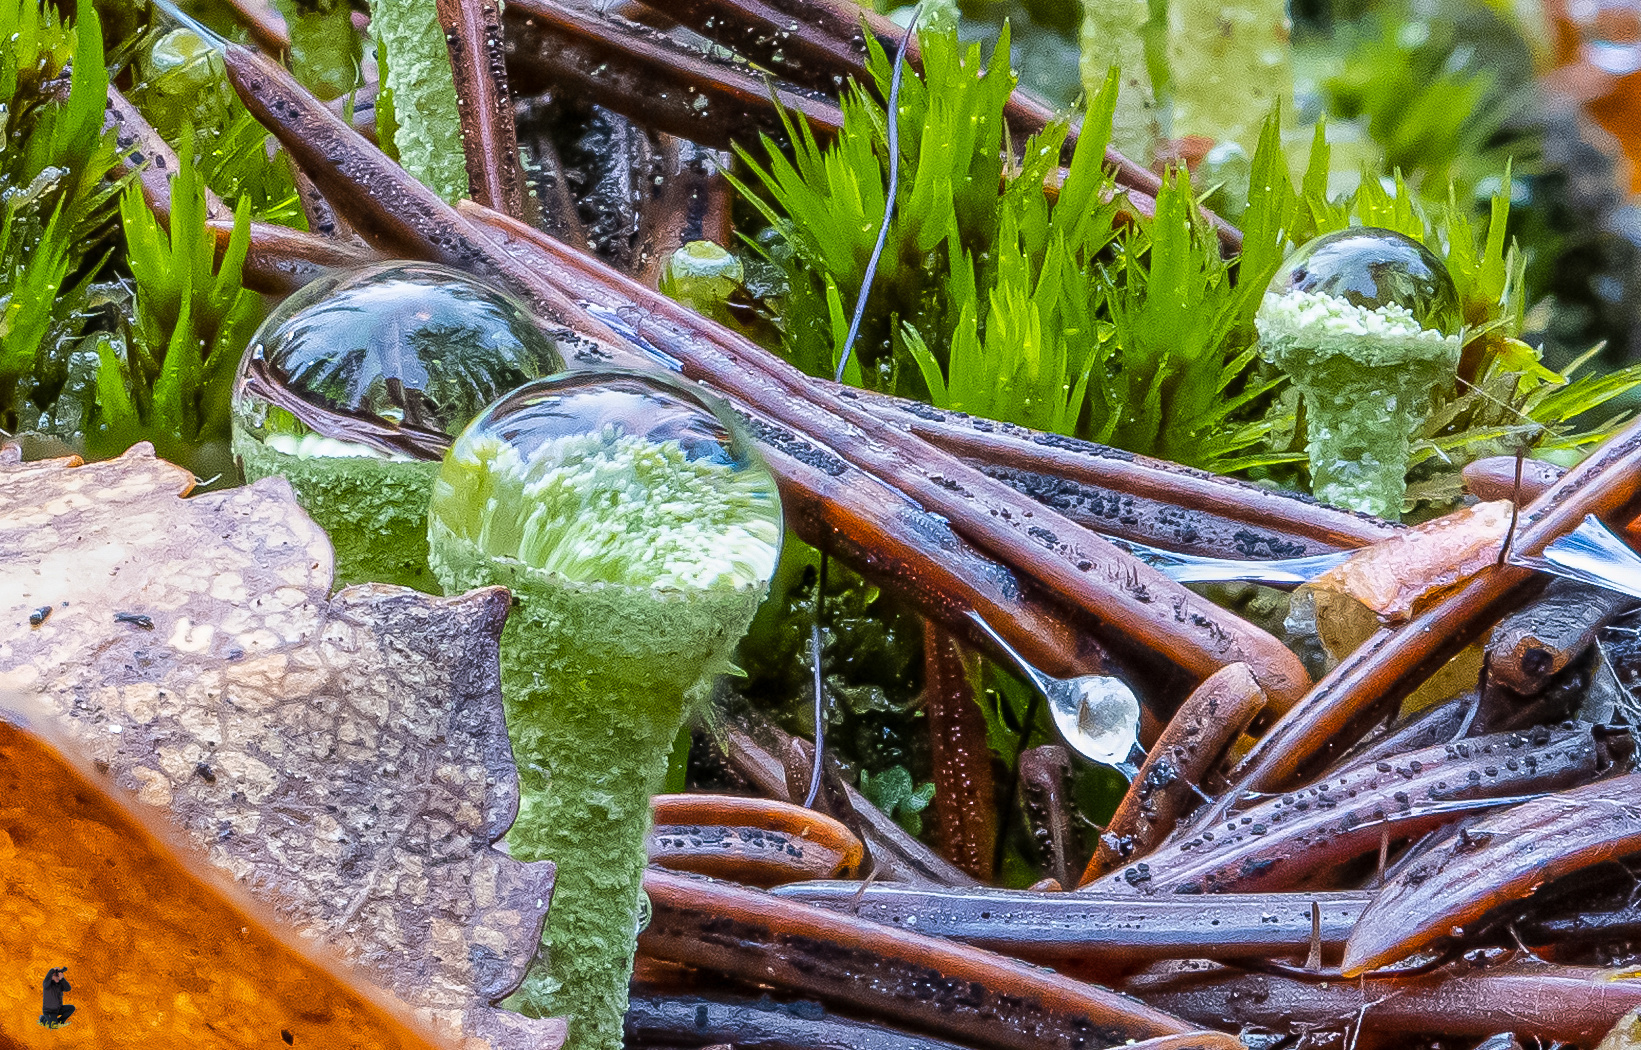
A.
pixel 1098 716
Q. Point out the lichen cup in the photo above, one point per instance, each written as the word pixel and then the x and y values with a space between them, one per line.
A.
pixel 638 532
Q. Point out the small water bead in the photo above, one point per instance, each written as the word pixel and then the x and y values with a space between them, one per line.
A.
pixel 393 358
pixel 613 477
pixel 1374 270
pixel 703 276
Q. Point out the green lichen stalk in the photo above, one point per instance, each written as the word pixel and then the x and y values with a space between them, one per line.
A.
pixel 635 569
pixel 1114 35
pixel 1230 64
pixel 427 126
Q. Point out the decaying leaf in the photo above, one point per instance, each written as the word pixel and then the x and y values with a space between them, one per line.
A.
pixel 1625 1035
pixel 159 951
pixel 345 757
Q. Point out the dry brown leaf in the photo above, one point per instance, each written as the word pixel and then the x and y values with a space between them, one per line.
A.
pixel 344 757
pixel 1390 582
pixel 160 949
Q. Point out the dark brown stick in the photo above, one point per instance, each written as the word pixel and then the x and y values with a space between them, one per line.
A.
pixel 1120 597
pixel 895 855
pixel 753 748
pixel 358 108
pixel 928 983
pixel 1115 929
pixel 650 78
pixel 756 842
pixel 144 152
pixel 1535 644
pixel 1279 843
pixel 559 213
pixel 831 49
pixel 1495 478
pixel 473 33
pixel 392 211
pixel 281 259
pixel 267 25
pixel 1207 723
pixel 1501 858
pixel 404 218
pixel 1105 489
pixel 965 798
pixel 1198 511
pixel 692 205
pixel 1045 782
pixel 322 218
pixel 663 1017
pixel 1554 1004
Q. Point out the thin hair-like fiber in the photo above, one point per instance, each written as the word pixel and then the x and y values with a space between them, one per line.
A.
pixel 843 364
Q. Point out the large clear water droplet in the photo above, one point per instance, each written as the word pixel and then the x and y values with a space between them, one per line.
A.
pixel 1375 269
pixel 613 476
pixel 393 357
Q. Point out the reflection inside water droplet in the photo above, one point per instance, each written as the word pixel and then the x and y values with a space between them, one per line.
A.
pixel 613 476
pixel 397 349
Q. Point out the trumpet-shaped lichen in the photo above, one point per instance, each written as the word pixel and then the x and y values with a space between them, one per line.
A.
pixel 637 536
pixel 613 507
pixel 1358 318
pixel 1229 66
pixel 703 275
pixel 372 506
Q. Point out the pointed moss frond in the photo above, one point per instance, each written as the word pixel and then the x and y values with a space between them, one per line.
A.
pixel 58 205
pixel 167 377
pixel 997 296
pixel 184 84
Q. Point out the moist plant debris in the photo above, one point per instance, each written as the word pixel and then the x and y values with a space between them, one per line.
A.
pixel 343 758
pixel 252 793
pixel 155 947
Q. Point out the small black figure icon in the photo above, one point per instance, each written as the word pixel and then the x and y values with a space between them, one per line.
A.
pixel 53 1013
